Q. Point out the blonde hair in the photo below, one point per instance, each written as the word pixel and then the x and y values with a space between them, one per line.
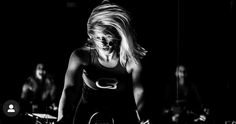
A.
pixel 109 14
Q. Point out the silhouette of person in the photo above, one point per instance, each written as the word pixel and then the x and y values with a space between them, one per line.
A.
pixel 104 75
pixel 11 108
pixel 39 91
pixel 182 99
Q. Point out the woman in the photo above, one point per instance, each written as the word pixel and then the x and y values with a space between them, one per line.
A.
pixel 105 73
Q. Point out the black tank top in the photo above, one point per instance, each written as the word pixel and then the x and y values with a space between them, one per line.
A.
pixel 107 86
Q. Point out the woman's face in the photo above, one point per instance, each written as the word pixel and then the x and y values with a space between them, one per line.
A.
pixel 40 71
pixel 180 72
pixel 104 40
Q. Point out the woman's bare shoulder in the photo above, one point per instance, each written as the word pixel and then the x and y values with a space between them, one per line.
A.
pixel 82 54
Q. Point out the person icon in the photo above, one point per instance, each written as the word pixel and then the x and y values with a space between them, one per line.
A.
pixel 11 108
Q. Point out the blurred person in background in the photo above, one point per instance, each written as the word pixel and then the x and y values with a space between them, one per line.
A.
pixel 39 92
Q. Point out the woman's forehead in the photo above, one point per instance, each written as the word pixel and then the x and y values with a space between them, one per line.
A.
pixel 98 30
pixel 106 30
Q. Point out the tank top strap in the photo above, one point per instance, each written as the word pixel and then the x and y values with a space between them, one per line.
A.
pixel 93 56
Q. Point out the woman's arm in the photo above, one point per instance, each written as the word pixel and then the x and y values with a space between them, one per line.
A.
pixel 136 68
pixel 138 88
pixel 72 89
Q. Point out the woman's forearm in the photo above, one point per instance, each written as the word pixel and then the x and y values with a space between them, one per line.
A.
pixel 61 106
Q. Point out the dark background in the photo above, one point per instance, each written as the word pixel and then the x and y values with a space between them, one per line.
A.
pixel 198 34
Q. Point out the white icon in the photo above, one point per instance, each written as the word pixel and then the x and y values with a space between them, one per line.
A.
pixel 11 108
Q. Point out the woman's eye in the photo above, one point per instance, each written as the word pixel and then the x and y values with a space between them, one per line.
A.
pixel 109 36
pixel 103 39
pixel 98 38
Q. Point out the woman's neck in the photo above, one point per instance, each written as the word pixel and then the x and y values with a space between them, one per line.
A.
pixel 109 60
pixel 107 56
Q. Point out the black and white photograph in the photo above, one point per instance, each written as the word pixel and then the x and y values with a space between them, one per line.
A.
pixel 118 62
